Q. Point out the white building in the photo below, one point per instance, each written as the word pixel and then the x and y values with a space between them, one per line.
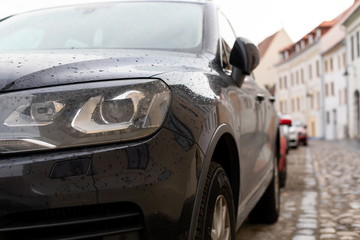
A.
pixel 352 25
pixel 335 93
pixel 299 88
pixel 312 86
pixel 335 83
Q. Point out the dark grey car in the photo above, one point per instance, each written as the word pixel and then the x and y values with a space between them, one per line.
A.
pixel 132 120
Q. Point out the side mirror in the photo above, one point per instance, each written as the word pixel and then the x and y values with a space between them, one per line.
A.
pixel 244 55
pixel 285 121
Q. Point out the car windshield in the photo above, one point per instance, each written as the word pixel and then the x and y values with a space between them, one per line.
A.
pixel 136 25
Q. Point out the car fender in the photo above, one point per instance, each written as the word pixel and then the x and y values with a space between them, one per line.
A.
pixel 218 133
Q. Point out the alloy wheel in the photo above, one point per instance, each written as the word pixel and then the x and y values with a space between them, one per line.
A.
pixel 221 228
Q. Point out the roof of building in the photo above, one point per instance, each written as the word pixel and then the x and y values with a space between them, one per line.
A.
pixel 265 44
pixel 352 13
pixel 324 27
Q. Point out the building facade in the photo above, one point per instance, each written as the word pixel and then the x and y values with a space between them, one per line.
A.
pixel 265 73
pixel 317 78
pixel 299 90
pixel 352 42
pixel 335 93
pixel 333 50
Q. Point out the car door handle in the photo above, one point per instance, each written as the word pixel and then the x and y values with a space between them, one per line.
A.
pixel 260 97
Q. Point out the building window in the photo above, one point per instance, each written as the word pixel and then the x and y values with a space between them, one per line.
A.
pixel 328 117
pixel 285 106
pixel 317 68
pixel 285 82
pixel 286 54
pixel 297 77
pixel 298 103
pixel 332 89
pixel 326 66
pixel 292 79
pixel 340 97
pixel 280 83
pixel 352 48
pixel 292 105
pixel 331 64
pixel 311 39
pixel 326 89
pixel 302 44
pixel 318 99
pixel 345 96
pixel 310 72
pixel 302 75
pixel 358 44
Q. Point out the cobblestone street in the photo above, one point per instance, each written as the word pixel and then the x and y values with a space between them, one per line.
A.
pixel 321 199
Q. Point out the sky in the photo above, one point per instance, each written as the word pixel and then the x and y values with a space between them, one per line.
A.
pixel 253 19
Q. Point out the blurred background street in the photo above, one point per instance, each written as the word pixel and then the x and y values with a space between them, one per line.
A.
pixel 321 199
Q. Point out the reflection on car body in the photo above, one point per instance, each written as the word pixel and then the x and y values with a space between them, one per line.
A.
pixel 133 120
pixel 285 122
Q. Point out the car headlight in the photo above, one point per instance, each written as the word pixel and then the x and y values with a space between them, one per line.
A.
pixel 82 114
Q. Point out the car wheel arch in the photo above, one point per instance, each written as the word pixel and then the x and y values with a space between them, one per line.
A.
pixel 222 139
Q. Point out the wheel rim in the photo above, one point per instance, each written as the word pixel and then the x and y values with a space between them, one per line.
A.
pixel 221 228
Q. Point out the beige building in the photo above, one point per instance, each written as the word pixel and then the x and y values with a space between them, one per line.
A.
pixel 265 73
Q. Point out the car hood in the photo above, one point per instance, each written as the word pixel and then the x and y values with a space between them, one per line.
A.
pixel 20 71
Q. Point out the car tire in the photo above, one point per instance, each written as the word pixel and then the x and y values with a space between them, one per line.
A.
pixel 216 218
pixel 267 210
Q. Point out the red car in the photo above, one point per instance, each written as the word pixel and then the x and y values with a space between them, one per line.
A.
pixel 284 122
pixel 302 132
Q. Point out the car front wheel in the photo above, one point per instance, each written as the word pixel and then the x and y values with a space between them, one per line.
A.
pixel 216 218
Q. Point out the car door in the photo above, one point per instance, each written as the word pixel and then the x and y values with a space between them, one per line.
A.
pixel 267 120
pixel 253 138
pixel 250 114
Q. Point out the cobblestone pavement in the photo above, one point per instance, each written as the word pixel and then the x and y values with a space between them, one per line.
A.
pixel 321 199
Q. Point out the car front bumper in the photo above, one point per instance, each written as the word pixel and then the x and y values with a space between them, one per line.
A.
pixel 142 190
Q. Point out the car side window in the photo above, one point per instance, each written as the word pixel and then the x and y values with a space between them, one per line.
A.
pixel 227 39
